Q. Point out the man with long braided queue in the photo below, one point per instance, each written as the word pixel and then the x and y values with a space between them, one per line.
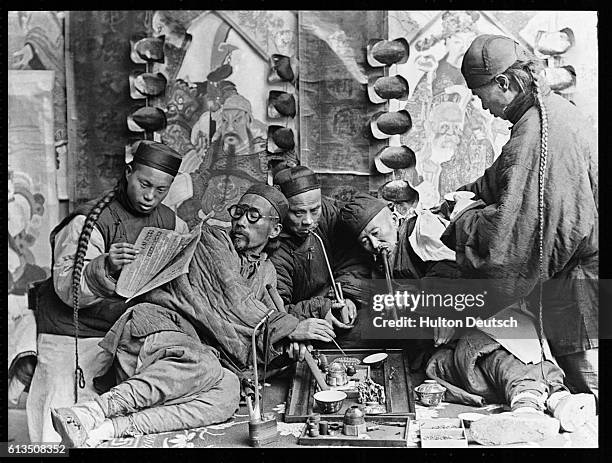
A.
pixel 101 235
pixel 167 347
pixel 533 227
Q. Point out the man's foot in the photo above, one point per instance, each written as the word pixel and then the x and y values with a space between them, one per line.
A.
pixel 104 432
pixel 513 428
pixel 574 410
pixel 69 427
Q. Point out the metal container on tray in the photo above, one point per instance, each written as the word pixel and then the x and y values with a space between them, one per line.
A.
pixel 430 393
pixel 336 374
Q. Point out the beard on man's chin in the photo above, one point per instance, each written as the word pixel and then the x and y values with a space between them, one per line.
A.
pixel 239 240
pixel 231 141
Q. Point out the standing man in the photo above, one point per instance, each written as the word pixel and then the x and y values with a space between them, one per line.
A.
pixel 303 276
pixel 169 379
pixel 101 235
pixel 519 233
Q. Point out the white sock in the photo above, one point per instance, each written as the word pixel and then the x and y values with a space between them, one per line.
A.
pixel 527 410
pixel 90 413
pixel 555 398
pixel 104 432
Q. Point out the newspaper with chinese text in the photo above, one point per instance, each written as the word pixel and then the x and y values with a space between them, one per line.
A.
pixel 163 256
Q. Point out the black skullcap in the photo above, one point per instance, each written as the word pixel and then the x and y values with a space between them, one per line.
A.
pixel 296 180
pixel 488 56
pixel 159 156
pixel 358 212
pixel 272 195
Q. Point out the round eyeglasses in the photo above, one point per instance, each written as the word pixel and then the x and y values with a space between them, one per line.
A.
pixel 252 214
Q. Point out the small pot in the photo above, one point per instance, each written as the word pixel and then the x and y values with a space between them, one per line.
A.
pixel 336 374
pixel 329 401
pixel 430 393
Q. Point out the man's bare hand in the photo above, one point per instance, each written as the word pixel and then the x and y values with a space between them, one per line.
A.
pixel 23 57
pixel 297 350
pixel 120 254
pixel 313 329
pixel 443 335
pixel 348 311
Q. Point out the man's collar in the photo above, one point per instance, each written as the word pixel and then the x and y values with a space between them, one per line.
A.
pixel 252 257
pixel 523 101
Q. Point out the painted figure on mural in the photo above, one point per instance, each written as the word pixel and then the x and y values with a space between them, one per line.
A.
pixel 213 109
pixel 25 211
pixel 236 158
pixel 41 47
pixel 444 128
pixel 458 141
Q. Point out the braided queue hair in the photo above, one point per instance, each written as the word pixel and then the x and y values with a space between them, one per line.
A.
pixel 77 272
pixel 526 75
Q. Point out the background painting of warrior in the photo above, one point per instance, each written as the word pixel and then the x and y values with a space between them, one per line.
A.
pixel 215 109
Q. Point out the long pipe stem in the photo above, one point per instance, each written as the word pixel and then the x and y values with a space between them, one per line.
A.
pixel 339 298
pixel 256 409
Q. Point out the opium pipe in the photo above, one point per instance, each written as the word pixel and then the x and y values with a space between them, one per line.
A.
pixel 314 368
pixel 257 411
pixel 385 257
pixel 331 275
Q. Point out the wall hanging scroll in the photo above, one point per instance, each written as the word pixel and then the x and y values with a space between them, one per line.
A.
pixel 334 108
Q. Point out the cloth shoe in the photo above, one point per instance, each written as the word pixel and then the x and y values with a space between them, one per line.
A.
pixel 513 428
pixel 73 423
pixel 574 410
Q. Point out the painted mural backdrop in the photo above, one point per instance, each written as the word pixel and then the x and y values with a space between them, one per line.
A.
pixel 216 64
pixel 32 207
pixel 32 192
pixel 36 42
pixel 453 137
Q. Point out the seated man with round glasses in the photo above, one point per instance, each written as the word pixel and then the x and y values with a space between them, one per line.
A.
pixel 208 313
pixel 256 225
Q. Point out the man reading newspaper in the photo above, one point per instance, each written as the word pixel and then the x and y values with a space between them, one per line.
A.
pixel 170 380
pixel 97 239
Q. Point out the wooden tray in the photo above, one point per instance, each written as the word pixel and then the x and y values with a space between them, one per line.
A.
pixel 398 391
pixel 388 435
pixel 442 433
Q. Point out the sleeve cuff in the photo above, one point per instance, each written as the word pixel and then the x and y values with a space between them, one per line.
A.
pixel 476 205
pixel 97 278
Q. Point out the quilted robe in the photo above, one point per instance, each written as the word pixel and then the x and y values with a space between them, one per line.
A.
pixel 497 238
pixel 223 306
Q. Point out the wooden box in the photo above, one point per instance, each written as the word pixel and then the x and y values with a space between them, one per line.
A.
pixel 392 431
pixel 393 374
pixel 442 433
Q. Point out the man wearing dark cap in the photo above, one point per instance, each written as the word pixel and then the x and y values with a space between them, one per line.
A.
pixel 303 276
pixel 168 345
pixel 112 224
pixel 499 237
pixel 413 248
pixel 255 245
pixel 416 252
